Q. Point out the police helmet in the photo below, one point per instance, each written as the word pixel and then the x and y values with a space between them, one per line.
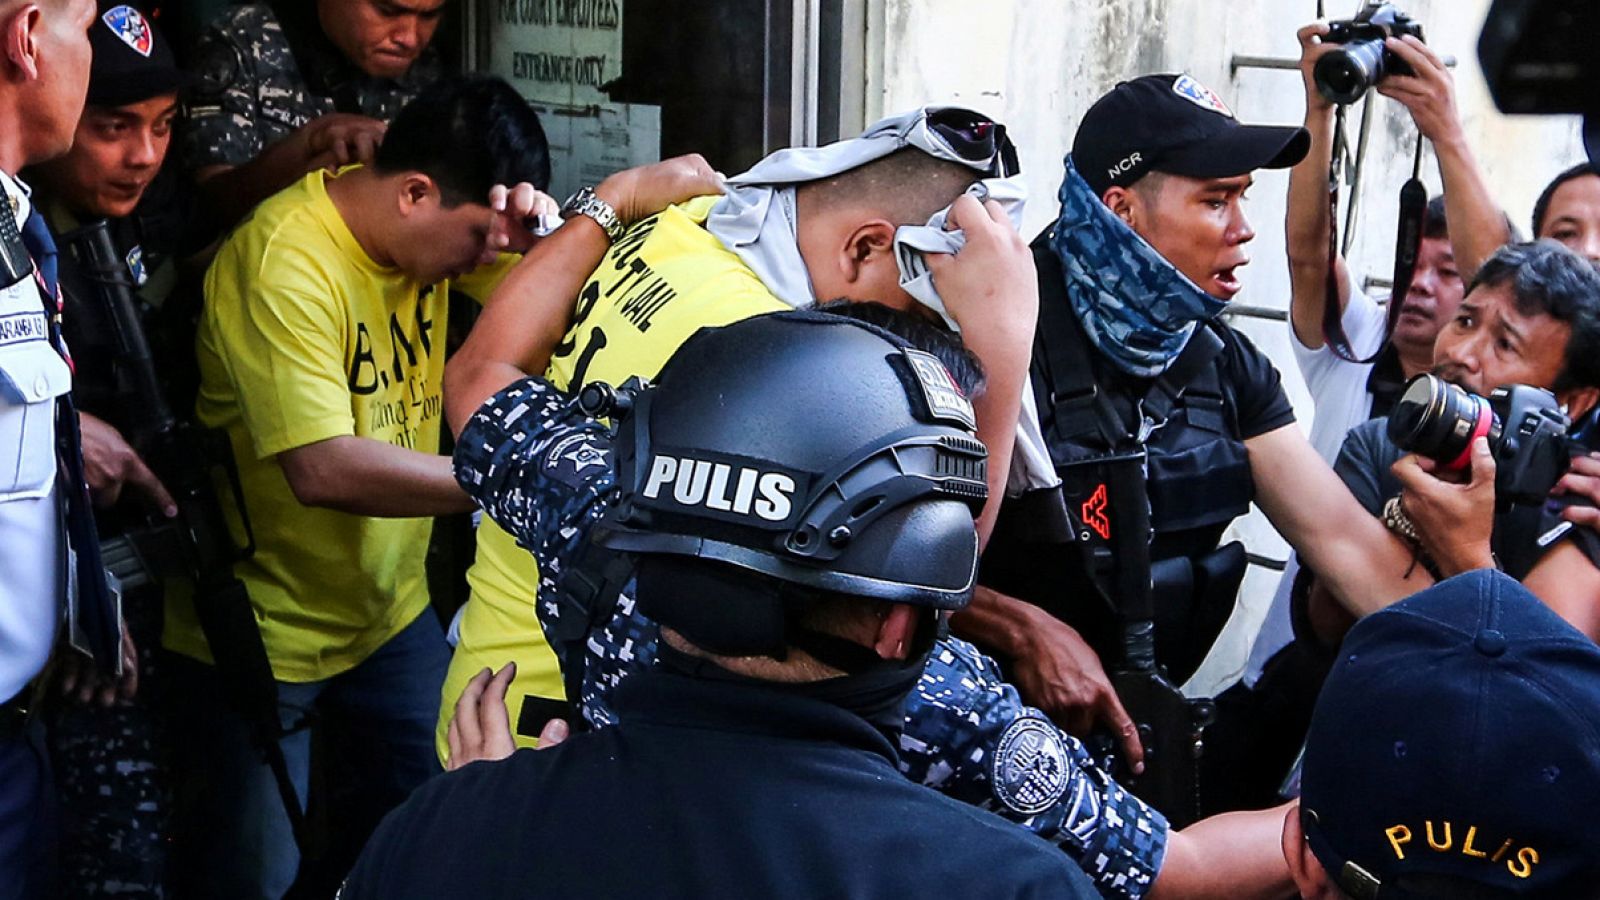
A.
pixel 812 449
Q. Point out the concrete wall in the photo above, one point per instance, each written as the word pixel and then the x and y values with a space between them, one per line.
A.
pixel 1038 64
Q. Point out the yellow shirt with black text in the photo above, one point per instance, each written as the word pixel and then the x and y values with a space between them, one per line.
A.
pixel 663 280
pixel 304 338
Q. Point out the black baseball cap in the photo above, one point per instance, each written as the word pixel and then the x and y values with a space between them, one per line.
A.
pixel 1175 124
pixel 132 60
pixel 1455 750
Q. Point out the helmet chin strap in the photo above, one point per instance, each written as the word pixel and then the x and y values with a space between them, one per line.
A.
pixel 873 688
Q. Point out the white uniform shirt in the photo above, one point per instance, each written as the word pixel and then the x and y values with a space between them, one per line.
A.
pixel 32 375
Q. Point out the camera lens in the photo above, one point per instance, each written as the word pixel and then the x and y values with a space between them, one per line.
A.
pixel 1436 419
pixel 1345 74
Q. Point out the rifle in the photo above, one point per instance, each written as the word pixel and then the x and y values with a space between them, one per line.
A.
pixel 198 544
pixel 1171 726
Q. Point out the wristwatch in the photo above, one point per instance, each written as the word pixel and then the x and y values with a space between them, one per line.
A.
pixel 586 203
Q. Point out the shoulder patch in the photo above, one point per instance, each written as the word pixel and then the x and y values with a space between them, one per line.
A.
pixel 567 460
pixel 129 25
pixel 1031 766
pixel 1200 95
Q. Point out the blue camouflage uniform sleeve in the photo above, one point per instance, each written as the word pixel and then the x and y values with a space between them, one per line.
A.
pixel 968 734
pixel 218 126
pixel 542 469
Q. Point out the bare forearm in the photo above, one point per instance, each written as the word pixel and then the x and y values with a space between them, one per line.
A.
pixel 1004 350
pixel 1231 856
pixel 232 191
pixel 524 319
pixel 1477 223
pixel 1307 229
pixel 1364 565
pixel 996 621
pixel 368 477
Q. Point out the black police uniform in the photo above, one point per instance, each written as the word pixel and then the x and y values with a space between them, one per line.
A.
pixel 107 761
pixel 707 788
pixel 1199 481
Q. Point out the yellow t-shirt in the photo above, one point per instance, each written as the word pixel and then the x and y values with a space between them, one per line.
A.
pixel 664 280
pixel 304 338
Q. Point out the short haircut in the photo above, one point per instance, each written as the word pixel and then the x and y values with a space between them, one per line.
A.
pixel 1434 223
pixel 1541 207
pixel 1148 186
pixel 1547 278
pixel 907 187
pixel 467 134
pixel 920 333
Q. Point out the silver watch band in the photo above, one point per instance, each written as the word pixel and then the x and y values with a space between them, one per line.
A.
pixel 586 203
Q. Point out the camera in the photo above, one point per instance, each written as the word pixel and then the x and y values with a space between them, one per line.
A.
pixel 1344 75
pixel 1526 428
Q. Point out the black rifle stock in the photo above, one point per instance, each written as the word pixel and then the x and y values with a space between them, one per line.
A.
pixel 199 544
pixel 1171 726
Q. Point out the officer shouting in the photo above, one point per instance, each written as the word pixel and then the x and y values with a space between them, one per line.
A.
pixel 1156 413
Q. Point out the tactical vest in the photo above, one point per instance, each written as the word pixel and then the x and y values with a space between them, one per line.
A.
pixel 1053 548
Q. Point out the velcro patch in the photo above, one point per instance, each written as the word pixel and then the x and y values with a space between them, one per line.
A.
pixel 1200 95
pixel 942 398
pixel 721 486
pixel 1030 768
pixel 129 24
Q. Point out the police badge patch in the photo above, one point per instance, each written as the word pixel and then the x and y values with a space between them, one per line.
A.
pixel 135 261
pixel 128 24
pixel 1200 95
pixel 1030 766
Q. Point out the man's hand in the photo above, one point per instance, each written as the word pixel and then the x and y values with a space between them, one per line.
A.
pixel 1454 521
pixel 79 678
pixel 644 191
pixel 992 278
pixel 481 726
pixel 1583 480
pixel 1057 671
pixel 110 464
pixel 515 209
pixel 339 139
pixel 1313 48
pixel 1429 95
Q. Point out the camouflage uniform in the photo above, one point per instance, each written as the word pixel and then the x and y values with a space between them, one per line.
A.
pixel 543 470
pixel 264 73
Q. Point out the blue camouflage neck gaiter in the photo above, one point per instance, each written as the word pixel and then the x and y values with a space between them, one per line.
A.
pixel 1135 307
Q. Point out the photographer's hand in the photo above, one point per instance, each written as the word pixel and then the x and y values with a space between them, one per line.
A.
pixel 1319 109
pixel 1582 480
pixel 1477 223
pixel 1454 522
pixel 1429 95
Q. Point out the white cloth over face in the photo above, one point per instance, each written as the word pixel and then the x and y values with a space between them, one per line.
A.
pixel 757 220
pixel 756 217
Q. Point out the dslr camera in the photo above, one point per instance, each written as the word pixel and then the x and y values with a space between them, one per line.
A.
pixel 1344 75
pixel 1526 428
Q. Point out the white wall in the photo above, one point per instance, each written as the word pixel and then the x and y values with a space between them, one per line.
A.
pixel 1037 65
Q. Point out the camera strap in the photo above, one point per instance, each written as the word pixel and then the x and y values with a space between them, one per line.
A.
pixel 1408 240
